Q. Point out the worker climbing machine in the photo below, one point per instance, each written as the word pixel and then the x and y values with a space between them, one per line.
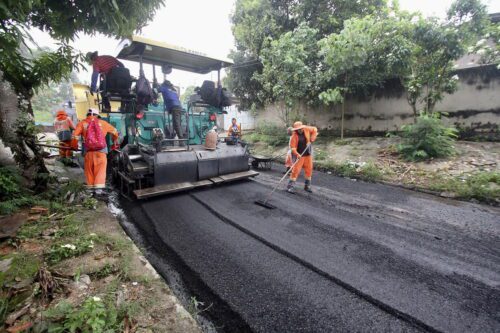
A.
pixel 151 160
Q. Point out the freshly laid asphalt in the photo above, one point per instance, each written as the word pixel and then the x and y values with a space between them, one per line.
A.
pixel 352 257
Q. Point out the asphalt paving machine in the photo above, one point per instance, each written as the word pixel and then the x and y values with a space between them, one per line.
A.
pixel 151 160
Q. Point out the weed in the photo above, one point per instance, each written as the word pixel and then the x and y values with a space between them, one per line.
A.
pixel 195 307
pixel 370 172
pixel 90 203
pixel 365 171
pixel 93 316
pixel 69 227
pixel 320 155
pixel 482 186
pixel 269 134
pixel 9 183
pixel 105 271
pixel 4 310
pixel 31 230
pixel 427 138
pixel 11 206
pixel 24 266
pixel 343 142
pixel 58 251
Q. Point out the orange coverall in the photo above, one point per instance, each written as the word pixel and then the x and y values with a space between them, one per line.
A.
pixel 305 162
pixel 95 162
pixel 63 123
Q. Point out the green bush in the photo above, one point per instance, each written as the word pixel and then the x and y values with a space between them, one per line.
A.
pixel 428 138
pixel 271 134
pixel 9 183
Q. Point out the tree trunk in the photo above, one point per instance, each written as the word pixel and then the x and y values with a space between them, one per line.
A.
pixel 342 121
pixel 17 131
pixel 414 108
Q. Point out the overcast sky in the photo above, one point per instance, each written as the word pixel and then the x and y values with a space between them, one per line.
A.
pixel 204 25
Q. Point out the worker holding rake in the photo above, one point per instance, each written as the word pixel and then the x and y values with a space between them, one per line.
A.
pixel 300 145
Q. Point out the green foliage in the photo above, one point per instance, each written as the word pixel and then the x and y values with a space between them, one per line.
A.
pixel 4 310
pixel 365 171
pixel 257 24
pixel 63 20
pixel 364 54
pixel 270 134
pixel 90 203
pixel 427 138
pixel 23 266
pixel 290 65
pixel 93 316
pixel 12 194
pixel 187 93
pixel 482 186
pixel 51 96
pixel 59 251
pixel 10 183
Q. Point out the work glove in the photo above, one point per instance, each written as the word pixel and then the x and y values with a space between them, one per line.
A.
pixel 115 146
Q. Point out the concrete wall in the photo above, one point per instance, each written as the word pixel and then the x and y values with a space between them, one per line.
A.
pixel 244 118
pixel 475 107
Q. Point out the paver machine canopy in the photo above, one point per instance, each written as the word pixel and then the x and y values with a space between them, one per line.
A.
pixel 152 160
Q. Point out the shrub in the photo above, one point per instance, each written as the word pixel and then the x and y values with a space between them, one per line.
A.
pixel 270 134
pixel 9 183
pixel 428 138
pixel 482 186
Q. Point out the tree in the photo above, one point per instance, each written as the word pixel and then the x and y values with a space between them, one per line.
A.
pixel 366 53
pixel 436 47
pixel 62 20
pixel 52 95
pixel 187 93
pixel 290 67
pixel 255 22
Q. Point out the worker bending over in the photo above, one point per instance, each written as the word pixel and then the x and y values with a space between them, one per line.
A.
pixel 300 144
pixel 93 131
pixel 64 128
pixel 234 131
pixel 101 65
pixel 172 104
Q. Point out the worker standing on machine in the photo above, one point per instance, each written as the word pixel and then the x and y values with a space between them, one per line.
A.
pixel 172 104
pixel 234 131
pixel 300 144
pixel 101 65
pixel 93 131
pixel 63 127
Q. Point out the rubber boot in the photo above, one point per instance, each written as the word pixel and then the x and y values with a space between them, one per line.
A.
pixel 307 186
pixel 290 187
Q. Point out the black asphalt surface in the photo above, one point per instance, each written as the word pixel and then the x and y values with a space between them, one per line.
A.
pixel 352 257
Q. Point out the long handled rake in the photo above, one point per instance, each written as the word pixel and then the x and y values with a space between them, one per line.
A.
pixel 264 203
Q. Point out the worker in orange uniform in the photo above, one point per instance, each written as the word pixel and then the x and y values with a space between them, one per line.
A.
pixel 95 162
pixel 300 144
pixel 64 127
pixel 234 131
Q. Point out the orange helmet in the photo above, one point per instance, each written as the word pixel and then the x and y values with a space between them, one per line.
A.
pixel 61 113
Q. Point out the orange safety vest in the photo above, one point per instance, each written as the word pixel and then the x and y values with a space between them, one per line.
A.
pixel 310 132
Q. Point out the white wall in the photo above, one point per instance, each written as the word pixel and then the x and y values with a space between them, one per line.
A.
pixel 244 118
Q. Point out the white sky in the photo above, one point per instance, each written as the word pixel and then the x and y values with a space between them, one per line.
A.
pixel 204 25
